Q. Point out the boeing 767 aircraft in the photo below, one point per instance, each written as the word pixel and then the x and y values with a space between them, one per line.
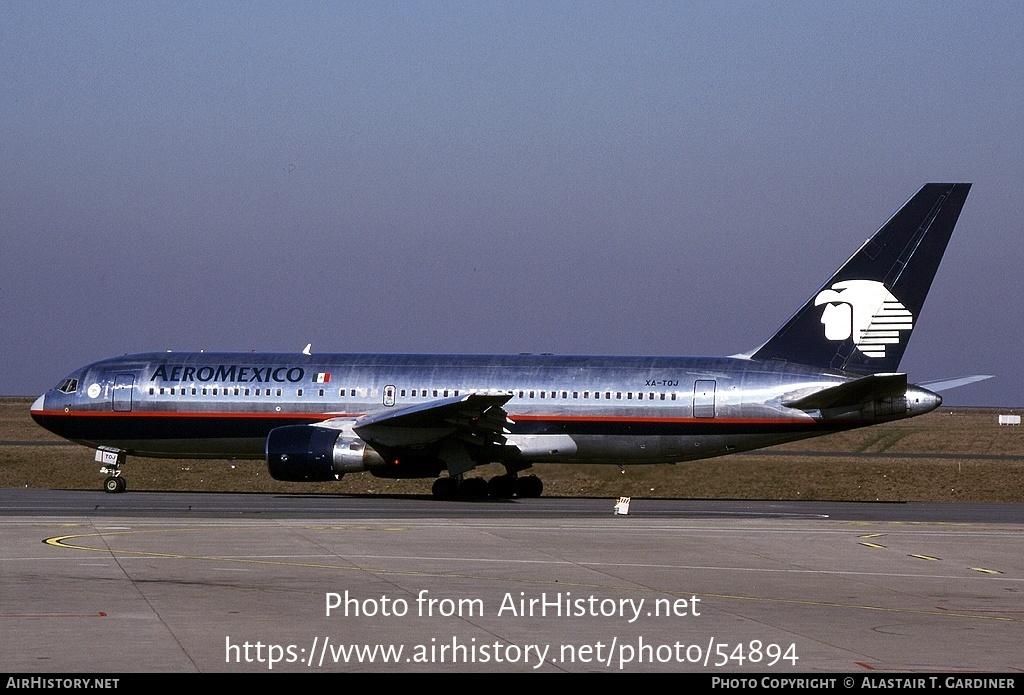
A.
pixel 831 367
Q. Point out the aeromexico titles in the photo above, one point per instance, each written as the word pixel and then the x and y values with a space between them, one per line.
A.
pixel 833 366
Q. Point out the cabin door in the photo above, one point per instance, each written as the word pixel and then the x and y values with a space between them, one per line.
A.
pixel 704 398
pixel 121 396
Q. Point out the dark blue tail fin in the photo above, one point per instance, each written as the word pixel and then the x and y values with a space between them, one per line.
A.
pixel 861 319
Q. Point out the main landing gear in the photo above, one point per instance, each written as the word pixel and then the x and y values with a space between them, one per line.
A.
pixel 499 487
pixel 112 460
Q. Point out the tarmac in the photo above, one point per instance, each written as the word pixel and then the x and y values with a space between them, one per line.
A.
pixel 193 582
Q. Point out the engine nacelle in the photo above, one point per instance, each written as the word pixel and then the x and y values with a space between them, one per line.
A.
pixel 302 453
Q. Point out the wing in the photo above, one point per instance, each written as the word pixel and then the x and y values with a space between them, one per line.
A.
pixel 465 428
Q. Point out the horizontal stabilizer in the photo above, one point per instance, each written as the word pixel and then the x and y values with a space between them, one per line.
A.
pixel 947 384
pixel 853 393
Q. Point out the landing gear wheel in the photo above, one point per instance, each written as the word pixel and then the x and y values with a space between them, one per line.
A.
pixel 530 486
pixel 501 487
pixel 114 484
pixel 473 489
pixel 112 460
pixel 444 488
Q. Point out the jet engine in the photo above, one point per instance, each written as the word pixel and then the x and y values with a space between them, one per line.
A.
pixel 301 453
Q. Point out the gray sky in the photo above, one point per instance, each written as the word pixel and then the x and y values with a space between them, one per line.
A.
pixel 591 177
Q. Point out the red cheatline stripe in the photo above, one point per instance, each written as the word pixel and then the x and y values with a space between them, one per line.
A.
pixel 514 417
pixel 186 414
pixel 622 418
pixel 711 421
pixel 101 614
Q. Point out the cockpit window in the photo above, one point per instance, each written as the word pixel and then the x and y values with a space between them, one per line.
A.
pixel 68 386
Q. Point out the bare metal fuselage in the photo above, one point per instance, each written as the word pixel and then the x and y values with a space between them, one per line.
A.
pixel 834 365
pixel 589 409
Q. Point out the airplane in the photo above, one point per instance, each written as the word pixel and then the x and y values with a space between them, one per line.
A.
pixel 833 366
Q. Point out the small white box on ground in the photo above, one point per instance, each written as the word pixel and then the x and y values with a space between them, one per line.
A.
pixel 622 506
pixel 1009 419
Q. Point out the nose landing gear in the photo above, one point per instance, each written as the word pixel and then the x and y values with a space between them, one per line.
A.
pixel 114 483
pixel 112 460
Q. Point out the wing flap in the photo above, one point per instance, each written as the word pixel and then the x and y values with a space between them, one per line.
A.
pixel 475 418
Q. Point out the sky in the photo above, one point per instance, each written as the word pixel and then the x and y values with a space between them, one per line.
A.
pixel 495 177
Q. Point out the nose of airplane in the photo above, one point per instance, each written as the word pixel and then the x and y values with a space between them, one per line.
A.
pixel 39 404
